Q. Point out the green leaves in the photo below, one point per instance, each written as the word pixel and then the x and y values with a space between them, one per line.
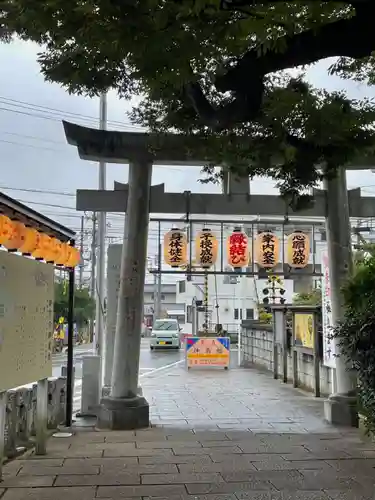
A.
pixel 159 49
pixel 84 305
pixel 356 333
pixel 313 298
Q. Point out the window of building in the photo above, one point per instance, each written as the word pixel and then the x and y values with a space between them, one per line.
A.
pixel 182 286
pixel 162 296
pixel 189 314
pixel 238 313
pixel 249 313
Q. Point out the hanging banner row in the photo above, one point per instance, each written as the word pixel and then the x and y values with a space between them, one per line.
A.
pixel 266 248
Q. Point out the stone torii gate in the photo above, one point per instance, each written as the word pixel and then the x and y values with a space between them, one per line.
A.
pixel 124 408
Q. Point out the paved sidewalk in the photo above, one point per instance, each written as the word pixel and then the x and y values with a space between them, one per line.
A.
pixel 202 448
pixel 231 399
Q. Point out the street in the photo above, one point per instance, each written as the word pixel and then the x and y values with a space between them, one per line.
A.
pixel 149 362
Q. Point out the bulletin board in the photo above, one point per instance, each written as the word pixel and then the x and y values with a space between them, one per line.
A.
pixel 26 320
pixel 304 330
pixel 207 351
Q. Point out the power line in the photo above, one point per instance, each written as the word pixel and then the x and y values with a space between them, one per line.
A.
pixel 33 146
pixel 54 111
pixel 47 204
pixel 34 137
pixel 39 191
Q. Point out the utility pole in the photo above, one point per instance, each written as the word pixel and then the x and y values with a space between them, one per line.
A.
pixel 100 288
pixel 82 263
pixel 155 314
pixel 93 272
pixel 159 284
pixel 205 303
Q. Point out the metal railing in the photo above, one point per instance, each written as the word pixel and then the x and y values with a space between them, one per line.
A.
pixel 230 330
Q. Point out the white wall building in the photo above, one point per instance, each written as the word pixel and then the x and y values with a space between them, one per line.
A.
pixel 237 297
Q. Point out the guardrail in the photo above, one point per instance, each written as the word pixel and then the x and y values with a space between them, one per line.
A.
pixel 20 415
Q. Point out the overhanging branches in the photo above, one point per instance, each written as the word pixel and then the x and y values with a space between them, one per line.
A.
pixel 245 79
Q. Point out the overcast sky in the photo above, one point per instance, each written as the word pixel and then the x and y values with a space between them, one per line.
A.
pixel 34 154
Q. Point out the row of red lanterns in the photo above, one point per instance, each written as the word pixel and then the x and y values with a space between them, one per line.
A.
pixel 17 237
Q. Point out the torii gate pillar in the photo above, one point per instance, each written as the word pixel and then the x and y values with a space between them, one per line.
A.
pixel 341 407
pixel 124 408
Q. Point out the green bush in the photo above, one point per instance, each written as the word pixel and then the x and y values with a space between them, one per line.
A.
pixel 356 334
pixel 265 317
pixel 312 298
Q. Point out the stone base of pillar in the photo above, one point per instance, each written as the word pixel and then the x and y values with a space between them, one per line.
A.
pixel 341 409
pixel 124 414
pixel 106 391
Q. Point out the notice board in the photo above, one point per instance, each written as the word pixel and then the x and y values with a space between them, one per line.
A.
pixel 304 330
pixel 26 320
pixel 208 351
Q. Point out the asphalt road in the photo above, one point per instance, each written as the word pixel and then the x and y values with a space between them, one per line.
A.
pixel 149 360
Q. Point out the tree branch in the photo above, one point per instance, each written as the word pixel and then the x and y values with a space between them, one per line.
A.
pixel 240 110
pixel 329 40
pixel 245 79
pixel 235 4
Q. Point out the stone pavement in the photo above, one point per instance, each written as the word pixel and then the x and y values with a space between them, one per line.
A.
pixel 233 435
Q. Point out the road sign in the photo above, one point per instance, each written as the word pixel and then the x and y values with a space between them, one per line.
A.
pixel 208 351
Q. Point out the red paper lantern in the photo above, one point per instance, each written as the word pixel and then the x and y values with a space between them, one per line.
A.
pixel 175 248
pixel 238 249
pixel 30 241
pixel 267 249
pixel 64 254
pixel 17 237
pixel 298 250
pixel 6 228
pixel 74 258
pixel 206 248
pixel 43 248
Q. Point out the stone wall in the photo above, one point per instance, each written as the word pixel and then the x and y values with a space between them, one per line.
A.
pixel 21 414
pixel 257 346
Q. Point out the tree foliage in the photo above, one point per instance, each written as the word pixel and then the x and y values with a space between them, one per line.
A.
pixel 356 333
pixel 264 316
pixel 84 305
pixel 212 68
pixel 312 298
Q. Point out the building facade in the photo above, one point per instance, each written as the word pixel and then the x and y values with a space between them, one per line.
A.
pixel 169 306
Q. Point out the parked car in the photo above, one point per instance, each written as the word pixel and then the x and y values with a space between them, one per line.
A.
pixel 165 334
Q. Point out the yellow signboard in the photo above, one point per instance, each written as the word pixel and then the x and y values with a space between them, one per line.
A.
pixel 304 330
pixel 208 351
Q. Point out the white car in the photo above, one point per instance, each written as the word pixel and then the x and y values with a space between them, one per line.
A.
pixel 166 334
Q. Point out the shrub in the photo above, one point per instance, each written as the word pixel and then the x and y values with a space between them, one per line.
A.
pixel 356 334
pixel 265 317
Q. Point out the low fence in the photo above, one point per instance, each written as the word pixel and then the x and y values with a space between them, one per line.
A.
pixel 20 416
pixel 301 369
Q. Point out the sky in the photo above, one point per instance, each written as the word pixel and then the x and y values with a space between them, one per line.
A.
pixel 36 157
